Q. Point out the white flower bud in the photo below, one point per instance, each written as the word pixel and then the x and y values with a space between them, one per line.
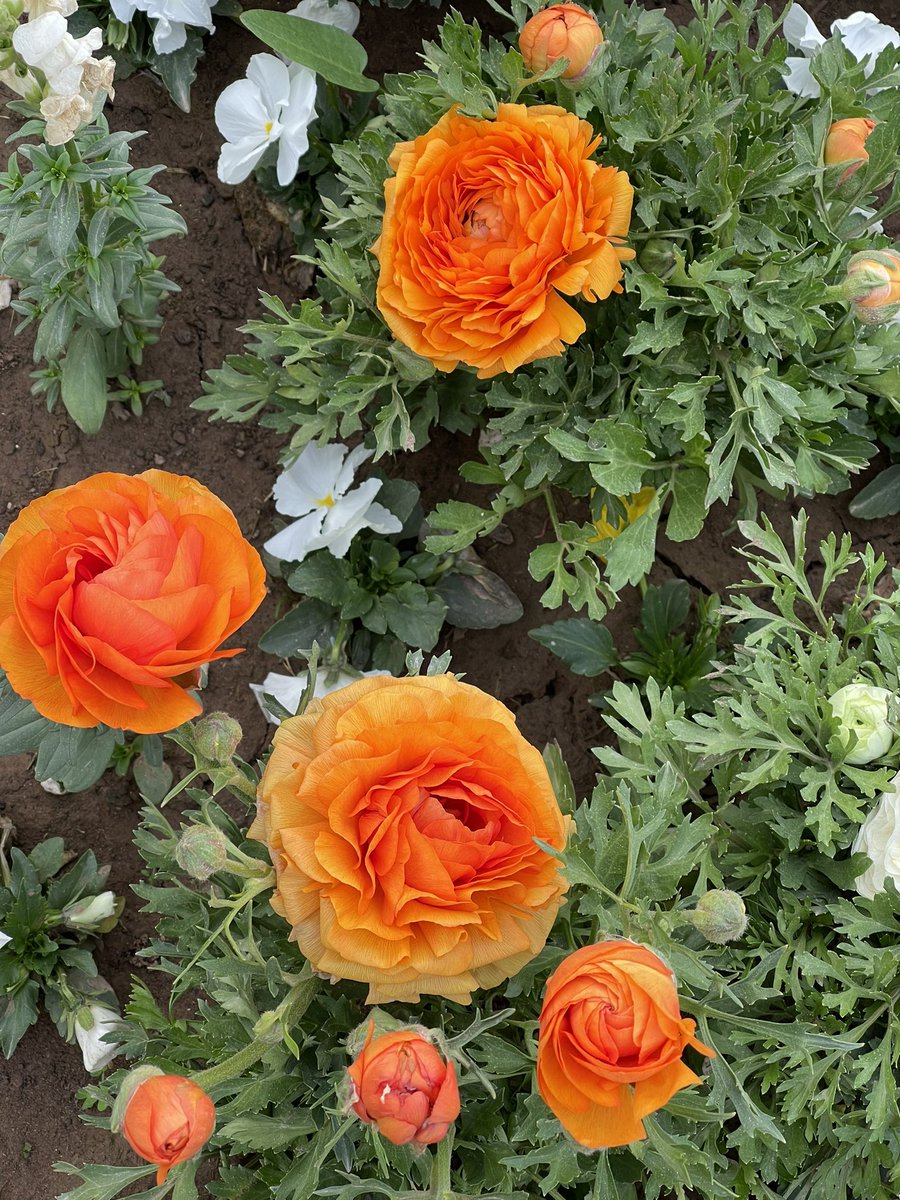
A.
pixel 91 1023
pixel 879 837
pixel 90 912
pixel 862 710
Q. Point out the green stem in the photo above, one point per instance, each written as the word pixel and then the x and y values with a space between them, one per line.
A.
pixel 440 1169
pixel 268 1033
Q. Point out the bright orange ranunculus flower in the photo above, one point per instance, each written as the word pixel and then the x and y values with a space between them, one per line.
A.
pixel 167 1120
pixel 610 1042
pixel 402 1085
pixel 115 591
pixel 560 31
pixel 400 815
pixel 488 225
pixel 846 142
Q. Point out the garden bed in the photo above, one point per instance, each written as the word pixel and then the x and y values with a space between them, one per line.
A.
pixel 219 268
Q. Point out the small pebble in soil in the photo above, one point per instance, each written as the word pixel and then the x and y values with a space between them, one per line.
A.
pixel 183 336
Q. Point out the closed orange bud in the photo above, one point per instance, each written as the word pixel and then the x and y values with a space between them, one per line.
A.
pixel 873 285
pixel 167 1120
pixel 402 1085
pixel 846 143
pixel 561 31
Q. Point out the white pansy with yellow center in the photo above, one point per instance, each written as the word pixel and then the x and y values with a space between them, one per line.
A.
pixel 317 490
pixel 861 33
pixel 275 103
pixel 288 689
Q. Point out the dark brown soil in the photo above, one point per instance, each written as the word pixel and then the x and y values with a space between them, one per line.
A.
pixel 220 271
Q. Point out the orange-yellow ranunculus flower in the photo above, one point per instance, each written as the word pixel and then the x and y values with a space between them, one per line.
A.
pixel 873 285
pixel 488 226
pixel 560 31
pixel 401 817
pixel 610 1042
pixel 402 1085
pixel 115 591
pixel 167 1120
pixel 846 143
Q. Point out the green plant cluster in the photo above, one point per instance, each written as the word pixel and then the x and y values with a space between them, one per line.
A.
pixel 44 912
pixel 751 793
pixel 76 226
pixel 728 367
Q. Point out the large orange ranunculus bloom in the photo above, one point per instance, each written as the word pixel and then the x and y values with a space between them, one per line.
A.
pixel 401 816
pixel 610 1042
pixel 402 1085
pixel 488 225
pixel 115 591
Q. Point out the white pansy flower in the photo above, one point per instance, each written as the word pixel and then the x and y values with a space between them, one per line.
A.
pixel 317 490
pixel 170 17
pixel 340 13
pixel 91 1023
pixel 37 8
pixel 288 689
pixel 862 34
pixel 5 939
pixel 879 837
pixel 275 103
pixel 5 301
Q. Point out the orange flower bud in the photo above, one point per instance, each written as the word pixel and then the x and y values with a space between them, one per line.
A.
pixel 402 1085
pixel 846 142
pixel 167 1120
pixel 561 31
pixel 873 285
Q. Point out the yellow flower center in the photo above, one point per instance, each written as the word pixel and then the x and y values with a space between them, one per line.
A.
pixel 326 501
pixel 268 127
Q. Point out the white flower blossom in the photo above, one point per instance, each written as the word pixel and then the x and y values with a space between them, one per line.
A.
pixel 879 837
pixel 46 44
pixel 5 939
pixel 91 1023
pixel 37 8
pixel 864 711
pixel 5 301
pixel 275 103
pixel 171 19
pixel 862 34
pixel 340 13
pixel 288 689
pixel 317 489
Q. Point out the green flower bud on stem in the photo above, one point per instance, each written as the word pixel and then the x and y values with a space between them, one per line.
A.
pixel 657 258
pixel 720 916
pixel 216 738
pixel 201 851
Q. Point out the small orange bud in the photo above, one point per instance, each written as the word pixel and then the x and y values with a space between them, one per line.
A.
pixel 167 1120
pixel 561 31
pixel 873 285
pixel 401 1084
pixel 846 142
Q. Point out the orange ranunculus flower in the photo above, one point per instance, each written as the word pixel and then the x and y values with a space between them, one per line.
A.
pixel 115 591
pixel 560 31
pixel 846 142
pixel 610 1042
pixel 402 1085
pixel 167 1120
pixel 488 225
pixel 401 816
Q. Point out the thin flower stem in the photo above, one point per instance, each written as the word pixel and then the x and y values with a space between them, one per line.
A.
pixel 440 1169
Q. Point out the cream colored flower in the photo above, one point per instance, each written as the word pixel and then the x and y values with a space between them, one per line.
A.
pixel 879 837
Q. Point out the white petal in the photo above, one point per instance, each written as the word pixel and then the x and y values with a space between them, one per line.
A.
pixel 801 31
pixel 5 939
pixel 355 458
pixel 168 36
pixel 874 226
pixel 865 36
pixel 237 160
pixel 312 478
pixel 799 80
pixel 241 113
pixel 34 40
pixel 382 520
pixel 124 10
pixel 287 690
pixel 95 1053
pixel 341 13
pixel 291 148
pixel 273 81
pixel 181 12
pixel 298 539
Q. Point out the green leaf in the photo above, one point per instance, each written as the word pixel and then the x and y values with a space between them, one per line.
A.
pixel 21 725
pixel 626 455
pixel 479 601
pixel 880 498
pixel 178 70
pixel 65 213
pixel 688 511
pixel 414 615
pixel 17 1013
pixel 103 1183
pixel 325 49
pixel 83 380
pixel 75 758
pixel 47 857
pixel 584 646
pixel 311 621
